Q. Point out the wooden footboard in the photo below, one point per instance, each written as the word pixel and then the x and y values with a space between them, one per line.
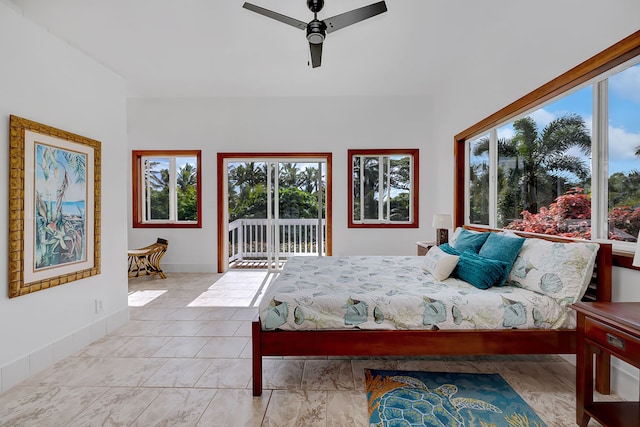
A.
pixel 404 343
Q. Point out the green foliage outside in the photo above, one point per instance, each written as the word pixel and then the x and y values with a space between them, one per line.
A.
pixel 544 189
pixel 399 177
pixel 297 191
pixel 187 192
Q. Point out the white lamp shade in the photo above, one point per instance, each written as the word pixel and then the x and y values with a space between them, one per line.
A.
pixel 636 258
pixel 442 221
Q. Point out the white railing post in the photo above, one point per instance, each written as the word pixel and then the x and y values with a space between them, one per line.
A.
pixel 241 240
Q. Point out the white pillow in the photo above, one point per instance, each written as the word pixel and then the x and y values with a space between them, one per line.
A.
pixel 560 270
pixel 439 263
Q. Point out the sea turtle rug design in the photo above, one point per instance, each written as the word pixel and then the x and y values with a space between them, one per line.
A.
pixel 444 399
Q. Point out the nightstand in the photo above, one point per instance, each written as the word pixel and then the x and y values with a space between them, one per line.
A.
pixel 423 247
pixel 606 329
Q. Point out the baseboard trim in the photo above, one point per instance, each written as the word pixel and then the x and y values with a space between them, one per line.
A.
pixel 21 369
pixel 624 378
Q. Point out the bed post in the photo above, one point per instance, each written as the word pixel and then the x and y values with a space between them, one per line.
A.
pixel 257 357
pixel 603 293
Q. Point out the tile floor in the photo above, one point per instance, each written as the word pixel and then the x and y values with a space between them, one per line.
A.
pixel 184 360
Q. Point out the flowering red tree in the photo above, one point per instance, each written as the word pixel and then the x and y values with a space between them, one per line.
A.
pixel 624 218
pixel 570 216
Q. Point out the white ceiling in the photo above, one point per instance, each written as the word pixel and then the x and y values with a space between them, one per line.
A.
pixel 203 48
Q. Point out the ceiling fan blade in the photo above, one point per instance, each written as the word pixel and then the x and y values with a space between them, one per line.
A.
pixel 274 15
pixel 316 54
pixel 348 18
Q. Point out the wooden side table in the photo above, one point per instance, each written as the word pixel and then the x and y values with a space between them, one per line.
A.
pixel 606 329
pixel 423 247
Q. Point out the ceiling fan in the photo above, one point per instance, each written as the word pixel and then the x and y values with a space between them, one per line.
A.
pixel 317 29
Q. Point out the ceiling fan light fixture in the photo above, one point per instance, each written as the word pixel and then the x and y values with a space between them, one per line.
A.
pixel 316 31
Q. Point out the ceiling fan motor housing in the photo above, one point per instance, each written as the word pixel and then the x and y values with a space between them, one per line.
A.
pixel 316 31
pixel 315 6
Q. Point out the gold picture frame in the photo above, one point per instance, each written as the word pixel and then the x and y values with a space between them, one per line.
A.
pixel 54 207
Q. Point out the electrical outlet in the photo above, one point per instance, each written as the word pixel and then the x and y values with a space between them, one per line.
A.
pixel 99 306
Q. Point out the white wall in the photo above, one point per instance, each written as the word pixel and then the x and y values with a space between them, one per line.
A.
pixel 284 125
pixel 44 80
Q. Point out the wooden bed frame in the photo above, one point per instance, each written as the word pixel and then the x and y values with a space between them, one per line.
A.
pixel 438 342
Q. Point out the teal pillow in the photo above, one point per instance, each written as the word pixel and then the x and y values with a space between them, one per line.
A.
pixel 447 248
pixel 468 241
pixel 479 271
pixel 502 248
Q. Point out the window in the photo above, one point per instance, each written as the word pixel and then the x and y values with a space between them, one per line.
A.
pixel 383 188
pixel 542 160
pixel 478 183
pixel 623 135
pixel 564 159
pixel 166 189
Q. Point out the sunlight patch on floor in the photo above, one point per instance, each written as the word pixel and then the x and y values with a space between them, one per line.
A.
pixel 142 298
pixel 235 289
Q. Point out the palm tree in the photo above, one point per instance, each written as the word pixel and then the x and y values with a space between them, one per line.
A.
pixel 369 176
pixel 247 174
pixel 400 173
pixel 308 179
pixel 546 155
pixel 157 179
pixel 541 161
pixel 244 178
pixel 187 177
pixel 288 175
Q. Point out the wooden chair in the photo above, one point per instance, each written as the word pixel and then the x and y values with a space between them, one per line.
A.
pixel 147 259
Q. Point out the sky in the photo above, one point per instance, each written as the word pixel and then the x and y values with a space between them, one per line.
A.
pixel 48 188
pixel 624 117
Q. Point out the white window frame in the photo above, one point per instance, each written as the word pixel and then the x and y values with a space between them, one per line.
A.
pixel 173 194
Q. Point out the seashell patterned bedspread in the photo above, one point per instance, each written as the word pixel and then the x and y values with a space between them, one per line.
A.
pixel 395 292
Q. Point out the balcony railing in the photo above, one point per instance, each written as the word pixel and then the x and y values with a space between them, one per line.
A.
pixel 297 237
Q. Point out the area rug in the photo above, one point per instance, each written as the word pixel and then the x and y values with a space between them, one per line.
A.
pixel 437 399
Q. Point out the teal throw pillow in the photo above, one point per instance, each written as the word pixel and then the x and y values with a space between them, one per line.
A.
pixel 468 241
pixel 447 248
pixel 502 248
pixel 479 271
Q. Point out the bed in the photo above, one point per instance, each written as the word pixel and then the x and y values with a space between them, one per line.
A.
pixel 366 322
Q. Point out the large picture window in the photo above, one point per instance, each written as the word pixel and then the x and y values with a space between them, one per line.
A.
pixel 383 188
pixel 561 161
pixel 166 188
pixel 541 159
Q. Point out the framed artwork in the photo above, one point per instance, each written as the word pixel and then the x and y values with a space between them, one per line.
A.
pixel 54 207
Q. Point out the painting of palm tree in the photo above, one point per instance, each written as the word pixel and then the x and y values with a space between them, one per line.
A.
pixel 60 206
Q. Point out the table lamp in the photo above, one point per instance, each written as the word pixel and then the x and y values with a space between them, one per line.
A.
pixel 442 223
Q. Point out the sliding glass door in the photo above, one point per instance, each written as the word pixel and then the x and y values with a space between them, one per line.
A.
pixel 276 209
